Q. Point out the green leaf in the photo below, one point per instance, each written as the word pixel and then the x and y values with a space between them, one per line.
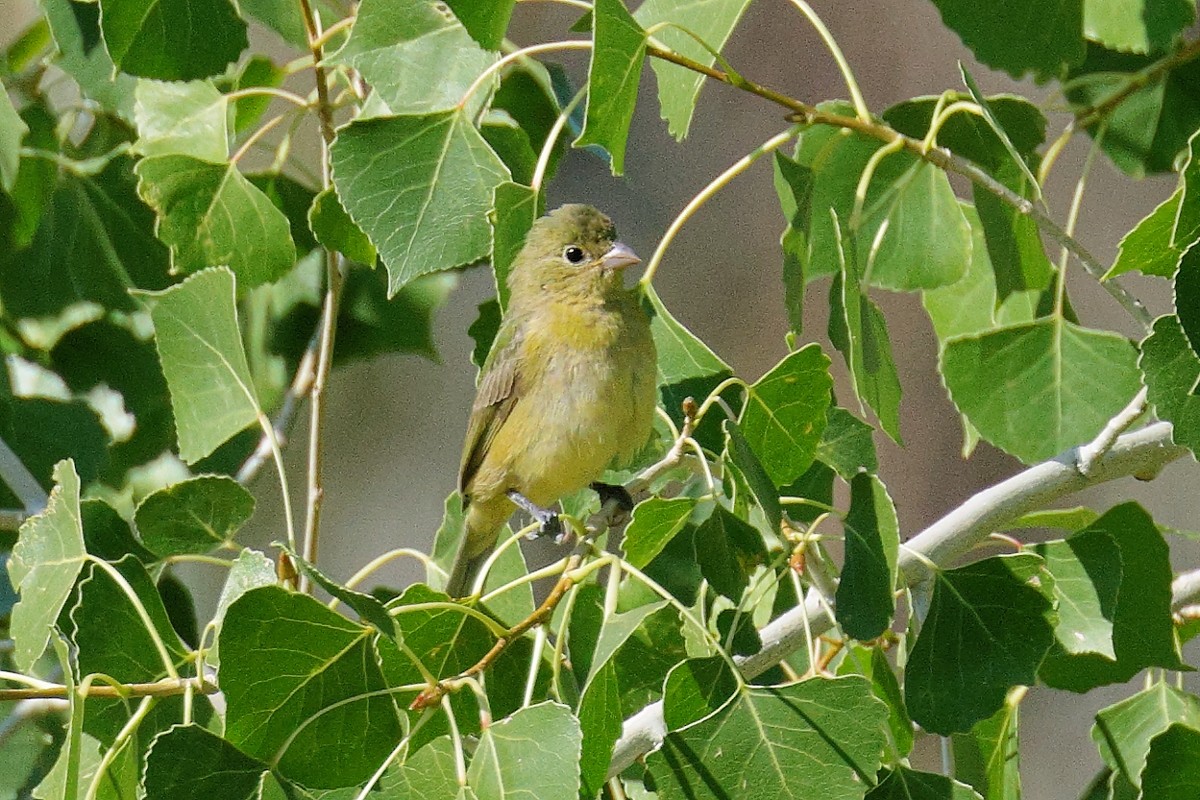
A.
pixel 416 55
pixel 1187 220
pixel 711 22
pixel 1021 36
pixel 615 672
pixel 1148 248
pixel 516 603
pixel 420 187
pixel 1141 26
pixel 211 215
pixel 858 330
pixel 819 736
pixel 1142 632
pixel 902 783
pixel 794 185
pixel 865 602
pixel 427 774
pixel 172 40
pixel 250 570
pixel 190 762
pixel 76 30
pixel 94 242
pixel 1171 370
pixel 514 208
pixel 532 754
pixel 837 160
pixel 283 17
pixel 12 131
pixel 738 451
pixel 696 688
pixel 257 72
pixel 785 413
pixel 334 229
pixel 111 638
pixel 728 550
pixel 1014 243
pixel 1187 296
pixel 847 445
pixel 1071 379
pixel 1149 129
pixel 44 564
pixel 486 22
pixel 948 691
pixel 189 119
pixel 1123 732
pixel 988 757
pixel 193 516
pixel 327 678
pixel 613 76
pixel 42 432
pixel 199 344
pixel 655 522
pixel 872 664
pixel 1172 770
pixel 1069 519
pixel 918 235
pixel 370 609
pixel 1087 576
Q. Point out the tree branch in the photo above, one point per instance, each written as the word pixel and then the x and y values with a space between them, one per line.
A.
pixel 167 687
pixel 1142 452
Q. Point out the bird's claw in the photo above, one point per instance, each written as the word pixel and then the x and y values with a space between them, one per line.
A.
pixel 548 521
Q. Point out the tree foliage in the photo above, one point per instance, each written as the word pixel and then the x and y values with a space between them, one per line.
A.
pixel 164 309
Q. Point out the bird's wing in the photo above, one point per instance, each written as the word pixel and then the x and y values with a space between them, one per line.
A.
pixel 498 391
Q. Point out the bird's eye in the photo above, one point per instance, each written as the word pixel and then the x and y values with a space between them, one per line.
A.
pixel 573 254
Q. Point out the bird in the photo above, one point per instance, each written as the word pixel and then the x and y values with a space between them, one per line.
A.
pixel 568 388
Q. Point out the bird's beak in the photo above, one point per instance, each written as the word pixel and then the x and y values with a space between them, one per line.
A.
pixel 619 256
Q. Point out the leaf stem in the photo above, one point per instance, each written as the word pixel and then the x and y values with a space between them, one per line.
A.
pixel 118 744
pixel 268 91
pixel 543 162
pixel 268 430
pixel 1093 114
pixel 860 105
pixel 517 55
pixel 143 615
pixel 705 194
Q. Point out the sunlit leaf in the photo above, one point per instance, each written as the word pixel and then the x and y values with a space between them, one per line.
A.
pixel 189 119
pixel 48 556
pixel 1124 731
pixel 785 413
pixel 655 522
pixel 613 77
pixel 1148 248
pixel 12 131
pixel 513 760
pixel 1171 370
pixel 1140 26
pixel 420 187
pixel 200 346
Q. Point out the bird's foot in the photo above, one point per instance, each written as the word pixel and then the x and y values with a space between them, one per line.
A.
pixel 548 522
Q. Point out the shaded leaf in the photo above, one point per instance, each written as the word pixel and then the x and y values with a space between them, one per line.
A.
pixel 193 516
pixel 327 680
pixel 12 132
pixel 872 664
pixel 949 691
pixel 696 688
pixel 190 762
pixel 1172 770
pixel 902 783
pixel 847 444
pixel 486 22
pixel 988 757
pixel 172 40
pixel 1020 36
pixel 728 550
pixel 76 30
pixel 739 452
pixel 865 603
pixel 334 229
pixel 514 208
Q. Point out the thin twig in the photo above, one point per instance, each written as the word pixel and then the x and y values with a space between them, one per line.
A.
pixel 329 309
pixel 301 385
pixel 938 156
pixel 167 687
pixel 15 475
pixel 1090 116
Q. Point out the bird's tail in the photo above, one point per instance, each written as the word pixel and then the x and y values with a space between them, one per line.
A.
pixel 481 525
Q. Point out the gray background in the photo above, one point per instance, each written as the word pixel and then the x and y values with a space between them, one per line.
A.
pixel 395 425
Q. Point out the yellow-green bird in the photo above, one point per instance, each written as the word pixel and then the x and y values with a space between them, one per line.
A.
pixel 568 388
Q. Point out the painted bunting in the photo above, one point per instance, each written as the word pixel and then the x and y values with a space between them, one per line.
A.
pixel 568 387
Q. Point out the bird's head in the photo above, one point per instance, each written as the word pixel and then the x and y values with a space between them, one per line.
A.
pixel 572 251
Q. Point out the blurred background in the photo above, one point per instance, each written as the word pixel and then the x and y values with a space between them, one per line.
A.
pixel 395 424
